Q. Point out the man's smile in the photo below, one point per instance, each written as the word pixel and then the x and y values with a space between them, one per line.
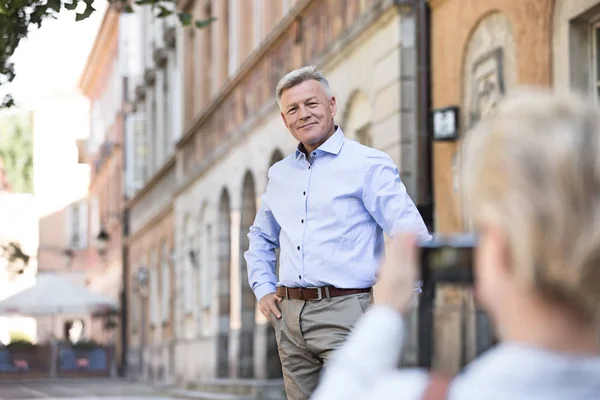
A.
pixel 308 125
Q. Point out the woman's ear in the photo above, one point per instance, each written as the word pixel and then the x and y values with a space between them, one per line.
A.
pixel 495 259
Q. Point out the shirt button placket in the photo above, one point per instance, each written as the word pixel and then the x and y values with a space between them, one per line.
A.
pixel 310 164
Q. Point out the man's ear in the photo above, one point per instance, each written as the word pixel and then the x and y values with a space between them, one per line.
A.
pixel 333 106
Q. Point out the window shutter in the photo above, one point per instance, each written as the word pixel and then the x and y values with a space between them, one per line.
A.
pixel 83 224
pixel 68 225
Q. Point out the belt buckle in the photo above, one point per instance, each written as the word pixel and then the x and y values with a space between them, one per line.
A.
pixel 319 292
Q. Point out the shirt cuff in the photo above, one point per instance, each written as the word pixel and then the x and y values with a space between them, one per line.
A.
pixel 263 290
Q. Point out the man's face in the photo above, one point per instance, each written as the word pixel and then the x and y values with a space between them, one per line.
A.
pixel 308 113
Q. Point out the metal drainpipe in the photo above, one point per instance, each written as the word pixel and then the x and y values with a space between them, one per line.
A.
pixel 424 193
pixel 424 170
pixel 424 142
pixel 124 246
pixel 425 325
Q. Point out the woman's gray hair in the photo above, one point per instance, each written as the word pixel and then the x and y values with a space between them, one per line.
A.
pixel 298 76
pixel 532 168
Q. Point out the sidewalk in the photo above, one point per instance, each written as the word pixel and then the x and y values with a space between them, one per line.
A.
pixel 231 389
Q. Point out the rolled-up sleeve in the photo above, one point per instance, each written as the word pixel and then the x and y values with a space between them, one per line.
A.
pixel 387 200
pixel 261 258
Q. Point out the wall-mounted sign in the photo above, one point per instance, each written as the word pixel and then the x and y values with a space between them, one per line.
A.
pixel 445 123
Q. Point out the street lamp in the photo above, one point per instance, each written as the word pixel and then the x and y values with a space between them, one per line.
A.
pixel 102 240
pixel 103 236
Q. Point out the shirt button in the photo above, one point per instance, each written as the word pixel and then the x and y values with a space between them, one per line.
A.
pixel 304 193
pixel 302 221
pixel 299 276
pixel 309 167
pixel 298 247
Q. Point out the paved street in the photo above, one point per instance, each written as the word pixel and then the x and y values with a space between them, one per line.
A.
pixel 80 389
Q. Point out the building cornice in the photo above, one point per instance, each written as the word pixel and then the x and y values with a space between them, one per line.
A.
pixel 164 170
pixel 151 223
pixel 435 3
pixel 339 47
pixel 96 61
pixel 270 41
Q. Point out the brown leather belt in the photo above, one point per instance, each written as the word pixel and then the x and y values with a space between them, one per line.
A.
pixel 315 293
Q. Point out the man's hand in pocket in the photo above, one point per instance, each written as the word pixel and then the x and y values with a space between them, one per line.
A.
pixel 268 304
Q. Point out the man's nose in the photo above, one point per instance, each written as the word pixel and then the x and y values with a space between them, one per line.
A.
pixel 303 112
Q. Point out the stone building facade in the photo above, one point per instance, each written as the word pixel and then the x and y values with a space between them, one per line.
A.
pixel 100 82
pixel 496 45
pixel 233 133
pixel 153 94
pixel 201 127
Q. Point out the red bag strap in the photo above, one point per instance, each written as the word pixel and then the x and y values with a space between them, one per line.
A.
pixel 437 388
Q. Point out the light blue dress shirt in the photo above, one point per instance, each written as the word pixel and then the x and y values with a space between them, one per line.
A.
pixel 327 214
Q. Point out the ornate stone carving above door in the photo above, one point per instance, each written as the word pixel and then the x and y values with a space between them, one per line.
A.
pixel 489 68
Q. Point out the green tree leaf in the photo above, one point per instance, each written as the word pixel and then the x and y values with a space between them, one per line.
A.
pixel 86 13
pixel 164 12
pixel 71 5
pixel 185 18
pixel 17 17
pixel 54 5
pixel 204 23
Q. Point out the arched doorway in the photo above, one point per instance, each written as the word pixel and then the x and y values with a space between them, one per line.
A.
pixel 224 278
pixel 273 361
pixel 246 362
pixel 357 119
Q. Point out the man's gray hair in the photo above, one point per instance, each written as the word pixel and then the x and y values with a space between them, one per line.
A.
pixel 300 75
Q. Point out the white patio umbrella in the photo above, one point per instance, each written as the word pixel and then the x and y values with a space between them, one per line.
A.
pixel 53 295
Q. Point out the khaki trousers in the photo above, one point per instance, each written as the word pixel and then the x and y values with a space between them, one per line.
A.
pixel 308 332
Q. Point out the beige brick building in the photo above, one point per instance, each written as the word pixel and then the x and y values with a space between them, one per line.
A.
pixel 100 82
pixel 203 131
pixel 234 133
pixel 204 100
pixel 496 45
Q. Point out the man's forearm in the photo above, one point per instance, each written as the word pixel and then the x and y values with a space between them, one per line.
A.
pixel 261 261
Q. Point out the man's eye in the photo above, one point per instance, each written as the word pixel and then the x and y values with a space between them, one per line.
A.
pixel 291 111
pixel 312 104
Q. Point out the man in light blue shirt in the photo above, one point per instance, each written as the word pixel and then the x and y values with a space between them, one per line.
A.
pixel 326 207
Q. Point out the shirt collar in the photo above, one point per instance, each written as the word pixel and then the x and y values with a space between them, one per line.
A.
pixel 333 145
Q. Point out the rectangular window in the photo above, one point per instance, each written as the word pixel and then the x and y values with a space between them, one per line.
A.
pixel 74 239
pixel 165 282
pixel 83 224
pixel 140 148
pixel 94 216
pixel 207 262
pixel 233 26
pixel 258 25
pixel 155 317
pixel 167 133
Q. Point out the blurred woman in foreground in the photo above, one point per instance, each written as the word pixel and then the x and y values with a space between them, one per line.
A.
pixel 531 180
